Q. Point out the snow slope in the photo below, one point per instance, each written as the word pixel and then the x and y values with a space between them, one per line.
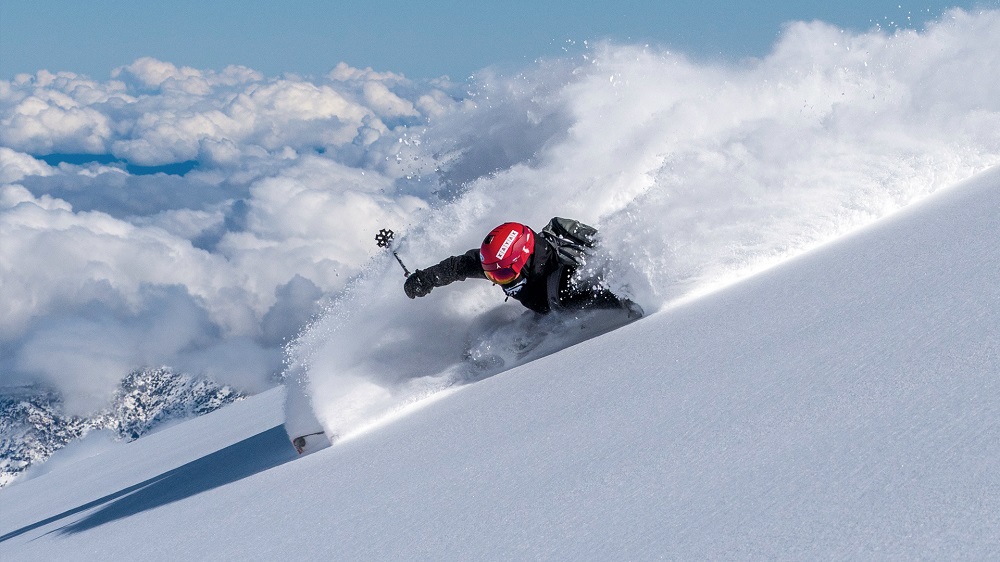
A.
pixel 843 404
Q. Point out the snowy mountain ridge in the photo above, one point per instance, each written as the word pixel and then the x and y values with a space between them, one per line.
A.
pixel 33 424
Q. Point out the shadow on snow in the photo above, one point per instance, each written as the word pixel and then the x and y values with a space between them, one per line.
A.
pixel 246 458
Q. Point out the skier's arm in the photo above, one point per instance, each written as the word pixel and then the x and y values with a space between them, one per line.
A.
pixel 455 268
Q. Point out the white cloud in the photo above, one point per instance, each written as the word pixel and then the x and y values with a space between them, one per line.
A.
pixel 385 103
pixel 15 166
pixel 346 73
pixel 151 73
pixel 54 123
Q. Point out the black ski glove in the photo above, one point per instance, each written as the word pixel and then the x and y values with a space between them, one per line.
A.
pixel 417 285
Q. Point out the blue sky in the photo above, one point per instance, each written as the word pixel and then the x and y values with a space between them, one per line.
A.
pixel 446 37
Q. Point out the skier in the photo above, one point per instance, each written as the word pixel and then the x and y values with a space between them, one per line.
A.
pixel 539 271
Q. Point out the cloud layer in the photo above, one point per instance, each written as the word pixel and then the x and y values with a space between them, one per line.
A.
pixel 697 173
pixel 213 271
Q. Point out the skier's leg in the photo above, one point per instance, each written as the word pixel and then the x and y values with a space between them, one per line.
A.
pixel 578 293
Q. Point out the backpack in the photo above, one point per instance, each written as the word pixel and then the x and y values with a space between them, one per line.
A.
pixel 571 239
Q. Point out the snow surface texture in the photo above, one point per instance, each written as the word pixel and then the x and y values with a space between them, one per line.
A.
pixel 842 405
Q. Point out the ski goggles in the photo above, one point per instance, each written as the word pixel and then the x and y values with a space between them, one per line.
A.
pixel 501 276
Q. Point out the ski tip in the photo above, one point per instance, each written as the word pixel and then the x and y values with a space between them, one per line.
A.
pixel 310 443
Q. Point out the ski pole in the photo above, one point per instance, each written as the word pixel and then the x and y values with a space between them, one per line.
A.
pixel 384 239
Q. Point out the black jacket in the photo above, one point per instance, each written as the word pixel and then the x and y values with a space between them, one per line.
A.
pixel 548 285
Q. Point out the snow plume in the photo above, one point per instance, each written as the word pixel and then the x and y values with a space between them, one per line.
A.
pixel 696 173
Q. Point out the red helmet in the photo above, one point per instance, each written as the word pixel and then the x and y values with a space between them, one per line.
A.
pixel 505 251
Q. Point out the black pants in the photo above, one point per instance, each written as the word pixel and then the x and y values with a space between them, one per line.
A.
pixel 587 294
